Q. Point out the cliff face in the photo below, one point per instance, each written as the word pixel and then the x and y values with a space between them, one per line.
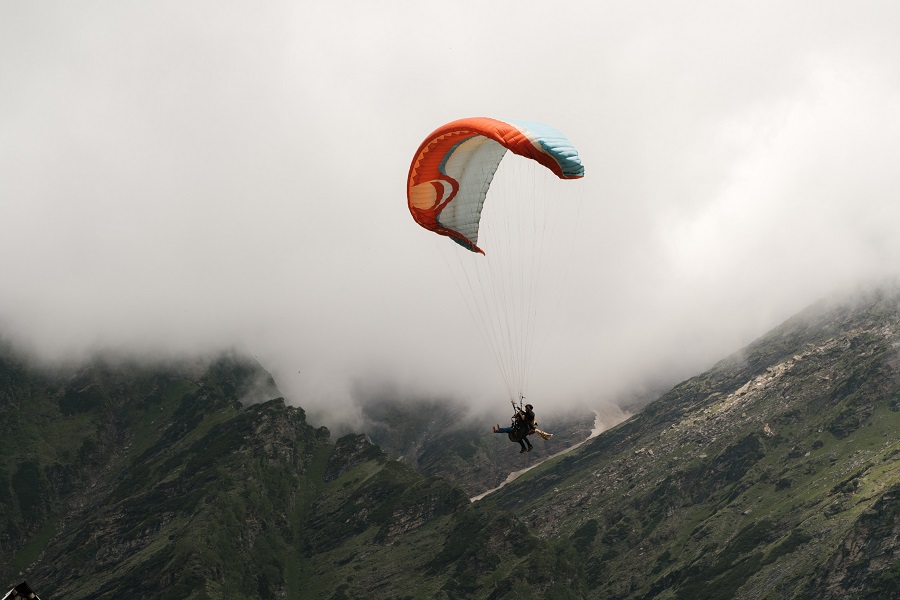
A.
pixel 773 475
pixel 125 465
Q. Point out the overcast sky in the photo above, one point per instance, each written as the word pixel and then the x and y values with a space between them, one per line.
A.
pixel 186 176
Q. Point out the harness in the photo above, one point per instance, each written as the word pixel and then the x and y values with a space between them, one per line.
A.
pixel 517 423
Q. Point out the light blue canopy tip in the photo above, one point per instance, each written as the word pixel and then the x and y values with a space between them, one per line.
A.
pixel 557 145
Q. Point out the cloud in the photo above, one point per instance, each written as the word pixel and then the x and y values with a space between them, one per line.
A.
pixel 181 177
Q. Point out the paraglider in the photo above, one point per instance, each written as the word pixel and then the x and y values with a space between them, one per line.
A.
pixel 523 423
pixel 517 431
pixel 450 183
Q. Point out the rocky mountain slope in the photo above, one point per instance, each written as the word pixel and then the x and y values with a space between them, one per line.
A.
pixel 121 480
pixel 442 438
pixel 773 475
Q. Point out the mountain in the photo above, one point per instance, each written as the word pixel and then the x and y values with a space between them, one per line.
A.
pixel 137 481
pixel 772 475
pixel 440 437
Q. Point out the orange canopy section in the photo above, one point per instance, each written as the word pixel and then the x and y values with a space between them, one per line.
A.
pixel 452 170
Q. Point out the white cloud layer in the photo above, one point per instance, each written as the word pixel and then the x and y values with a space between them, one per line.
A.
pixel 183 176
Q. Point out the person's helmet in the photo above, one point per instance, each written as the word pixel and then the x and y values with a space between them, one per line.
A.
pixel 528 406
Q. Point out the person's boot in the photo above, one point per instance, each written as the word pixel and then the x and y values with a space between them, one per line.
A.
pixel 523 450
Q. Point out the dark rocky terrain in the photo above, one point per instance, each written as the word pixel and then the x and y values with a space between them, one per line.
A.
pixel 762 478
pixel 775 474
pixel 441 438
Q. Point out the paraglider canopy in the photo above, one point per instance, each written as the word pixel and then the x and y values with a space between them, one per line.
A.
pixel 452 170
pixel 451 177
pixel 21 592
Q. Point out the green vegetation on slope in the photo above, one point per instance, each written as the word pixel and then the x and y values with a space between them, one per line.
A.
pixel 743 481
pixel 773 475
